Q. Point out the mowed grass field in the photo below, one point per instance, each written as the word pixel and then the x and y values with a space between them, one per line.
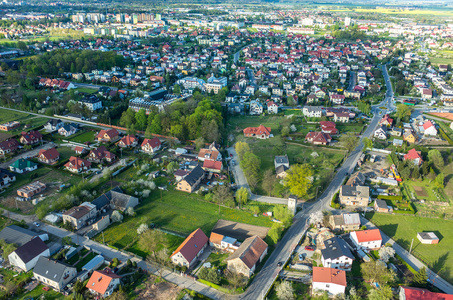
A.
pixel 404 228
pixel 396 11
pixel 8 116
pixel 442 57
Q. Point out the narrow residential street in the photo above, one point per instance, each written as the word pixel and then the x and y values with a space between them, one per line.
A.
pixel 28 154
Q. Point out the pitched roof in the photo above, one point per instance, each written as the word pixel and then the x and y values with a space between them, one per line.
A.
pixel 260 130
pixel 412 293
pixel 192 245
pixel 381 204
pixel 129 139
pixel 216 238
pixel 194 175
pixel 49 154
pixel 412 154
pixel 210 164
pixel 153 143
pixel 31 249
pixel 281 159
pixel 208 154
pixel 250 251
pixel 111 133
pixel 427 125
pixel 50 269
pixel 368 235
pixel 17 235
pixel 22 163
pixel 77 162
pixel 31 135
pixel 329 275
pixel 319 137
pixel 100 281
pixel 336 248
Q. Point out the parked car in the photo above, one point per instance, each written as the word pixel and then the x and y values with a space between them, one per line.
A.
pixel 309 248
pixel 301 256
pixel 36 224
pixel 279 264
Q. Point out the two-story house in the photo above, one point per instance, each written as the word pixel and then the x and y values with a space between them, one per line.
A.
pixel 26 256
pixel 53 273
pixel 79 216
pixel 336 254
pixel 247 257
pixel 189 251
pixel 103 283
pixel 358 196
pixel 367 239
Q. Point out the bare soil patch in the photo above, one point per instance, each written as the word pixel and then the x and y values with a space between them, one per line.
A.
pixel 158 291
pixel 4 136
pixel 239 231
pixel 420 191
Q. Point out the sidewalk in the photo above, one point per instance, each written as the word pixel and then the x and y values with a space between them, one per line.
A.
pixel 435 279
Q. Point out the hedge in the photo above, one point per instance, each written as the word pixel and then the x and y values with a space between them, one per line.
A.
pixel 217 287
pixel 445 136
pixel 392 198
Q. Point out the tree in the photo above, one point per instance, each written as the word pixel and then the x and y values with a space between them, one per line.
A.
pixel 416 173
pixel 251 167
pixel 130 211
pixel 242 196
pixel 142 228
pixel 282 213
pixel 176 89
pixel 210 275
pixel 440 179
pixel 385 253
pixel 140 119
pixel 161 258
pixel 435 157
pixel 235 279
pixel 316 217
pixel 172 167
pixel 119 295
pixel 290 101
pixel 223 195
pixel 285 131
pixel 383 293
pixel 66 240
pixel 275 232
pixel 117 217
pixel 151 239
pixel 7 248
pixel 403 111
pixel 298 179
pixel 367 143
pixel 268 181
pixel 420 278
pixel 199 143
pixel 376 271
pixel 349 141
pixel 79 287
pixel 285 291
pixel 241 148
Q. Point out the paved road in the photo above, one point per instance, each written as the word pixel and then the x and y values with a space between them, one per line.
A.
pixel 412 260
pixel 27 154
pixel 352 79
pixel 251 77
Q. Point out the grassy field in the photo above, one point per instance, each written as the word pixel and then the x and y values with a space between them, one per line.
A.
pixel 404 228
pixel 65 152
pixel 442 57
pixel 86 90
pixel 87 136
pixel 7 116
pixel 390 11
pixel 38 292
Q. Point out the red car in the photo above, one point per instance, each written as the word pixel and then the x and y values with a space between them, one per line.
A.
pixel 309 248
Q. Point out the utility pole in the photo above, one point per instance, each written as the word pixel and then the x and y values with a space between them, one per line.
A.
pixel 410 250
pixel 103 240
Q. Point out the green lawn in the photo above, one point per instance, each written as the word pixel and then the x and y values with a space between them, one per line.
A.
pixel 404 228
pixel 87 136
pixel 177 211
pixel 86 90
pixel 442 57
pixel 8 115
pixel 38 292
pixel 84 261
pixel 65 152
pixel 218 260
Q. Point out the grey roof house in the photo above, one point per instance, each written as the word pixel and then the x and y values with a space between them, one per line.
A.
pixel 19 236
pixel 54 274
pixel 336 254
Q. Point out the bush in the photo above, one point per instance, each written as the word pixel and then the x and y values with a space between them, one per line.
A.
pixel 391 198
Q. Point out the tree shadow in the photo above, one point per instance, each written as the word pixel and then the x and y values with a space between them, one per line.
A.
pixel 439 265
pixel 389 229
pixel 448 178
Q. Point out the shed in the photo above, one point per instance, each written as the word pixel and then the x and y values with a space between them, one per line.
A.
pixel 428 238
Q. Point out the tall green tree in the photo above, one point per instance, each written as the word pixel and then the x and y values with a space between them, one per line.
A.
pixel 141 119
pixel 298 179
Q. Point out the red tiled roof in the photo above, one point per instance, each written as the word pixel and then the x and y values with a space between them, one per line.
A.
pixel 412 293
pixel 368 235
pixel 100 281
pixel 211 164
pixel 129 139
pixel 49 154
pixel 319 137
pixel 258 130
pixel 427 125
pixel 77 162
pixel 111 133
pixel 154 142
pixel 329 275
pixel 412 155
pixel 192 245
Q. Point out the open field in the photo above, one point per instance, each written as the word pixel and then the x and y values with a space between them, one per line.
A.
pixel 442 57
pixel 7 116
pixel 86 90
pixel 87 136
pixel 404 228
pixel 396 11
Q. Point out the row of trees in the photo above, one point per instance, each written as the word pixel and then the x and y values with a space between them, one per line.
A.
pixel 183 120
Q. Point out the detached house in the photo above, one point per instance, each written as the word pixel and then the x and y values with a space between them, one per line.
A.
pixel 386 121
pixel 78 216
pixel 26 256
pixel 101 154
pixel 354 195
pixel 151 145
pixel 328 127
pixel 103 283
pixel 247 257
pixel 272 108
pixel 331 280
pixel 347 222
pixel 336 254
pixel 68 129
pixel 367 239
pixel 22 165
pixel 77 165
pixel 414 156
pixel 129 141
pixel 191 181
pixel 337 99
pixel 380 133
pixel 6 177
pixel 342 117
pixel 49 156
pixel 260 132
pixel 318 138
pixel 30 138
pixel 189 251
pixel 312 111
pixel 53 273
pixel 8 146
pixel 107 136
pixel 53 124
pixel 429 129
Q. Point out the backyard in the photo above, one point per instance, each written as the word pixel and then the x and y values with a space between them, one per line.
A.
pixel 442 57
pixel 82 137
pixel 404 228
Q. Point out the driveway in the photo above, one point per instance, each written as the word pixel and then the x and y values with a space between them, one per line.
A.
pixel 27 154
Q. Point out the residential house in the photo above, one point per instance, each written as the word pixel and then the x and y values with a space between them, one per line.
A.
pixel 53 124
pixel 180 174
pixel 14 234
pixel 28 191
pixel 427 93
pixel 386 121
pixel 189 251
pixel 356 179
pixel 346 222
pixel 381 206
pixel 128 141
pixel 68 129
pixel 247 257
pixel 191 181
pixel 30 138
pixel 354 195
pixel 328 127
pixel 6 177
pixel 118 200
pixel 331 280
pixel 22 165
pixel 53 273
pixel 79 216
pixel 223 242
pixel 8 146
pixel 151 145
pixel 103 283
pixel 409 137
pixel 337 99
pixel 256 108
pixel 336 254
pixel 318 138
pixel 26 256
pixel 429 129
pixel 210 153
pixel 342 117
pixel 414 156
pixel 367 239
pixel 49 156
pixel 272 108
pixel 427 238
pixel 80 150
pixel 9 126
pixel 312 111
pixel 396 131
pixel 381 133
pixel 212 166
pixel 260 132
pixel 107 136
pixel 413 293
pixel 77 165
pixel 100 155
pixel 92 102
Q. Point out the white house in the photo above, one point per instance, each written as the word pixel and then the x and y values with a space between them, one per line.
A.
pixel 328 279
pixel 380 133
pixel 312 111
pixel 336 255
pixel 272 108
pixel 53 124
pixel 367 239
pixel 103 283
pixel 256 108
pixel 189 251
pixel 67 130
pixel 26 256
pixel 53 273
pixel 429 129
pixel 92 102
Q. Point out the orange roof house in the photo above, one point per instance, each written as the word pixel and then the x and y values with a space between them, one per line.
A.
pixel 328 279
pixel 260 132
pixel 48 156
pixel 103 283
pixel 189 251
pixel 106 136
pixel 367 239
pixel 414 156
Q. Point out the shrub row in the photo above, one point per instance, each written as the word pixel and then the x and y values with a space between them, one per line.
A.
pixel 396 198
